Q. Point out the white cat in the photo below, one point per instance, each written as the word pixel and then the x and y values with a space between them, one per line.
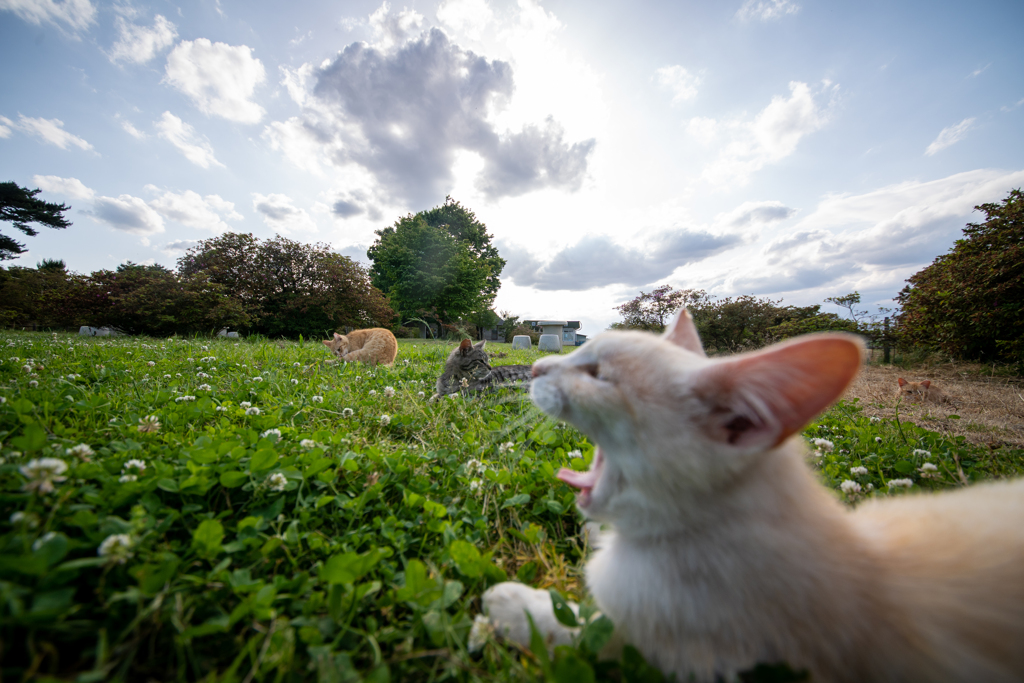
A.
pixel 726 552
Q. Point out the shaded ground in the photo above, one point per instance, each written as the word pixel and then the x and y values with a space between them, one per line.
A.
pixel 991 409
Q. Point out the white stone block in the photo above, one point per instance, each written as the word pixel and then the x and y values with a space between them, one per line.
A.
pixel 521 341
pixel 550 342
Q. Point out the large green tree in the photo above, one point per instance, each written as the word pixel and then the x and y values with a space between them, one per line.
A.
pixel 19 206
pixel 438 263
pixel 970 301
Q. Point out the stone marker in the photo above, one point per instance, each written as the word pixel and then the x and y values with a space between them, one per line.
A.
pixel 550 342
pixel 521 341
pixel 94 331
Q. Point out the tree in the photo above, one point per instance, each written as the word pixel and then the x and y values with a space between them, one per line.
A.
pixel 437 264
pixel 654 311
pixel 970 301
pixel 19 206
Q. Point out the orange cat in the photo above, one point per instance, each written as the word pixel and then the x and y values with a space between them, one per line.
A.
pixel 723 549
pixel 372 346
pixel 913 391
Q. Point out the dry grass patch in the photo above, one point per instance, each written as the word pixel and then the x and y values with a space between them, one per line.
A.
pixel 991 409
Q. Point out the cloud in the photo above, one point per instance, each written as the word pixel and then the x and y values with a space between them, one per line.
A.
pixel 183 136
pixel 297 142
pixel 678 81
pixel 133 131
pixel 755 213
pixel 884 235
pixel 950 135
pixel 356 252
pixel 127 213
pixel 219 78
pixel 75 14
pixel 178 246
pixel 280 214
pixel 766 10
pixel 466 17
pixel 191 209
pixel 139 44
pixel 393 29
pixel 404 115
pixel 48 130
pixel 5 127
pixel 597 261
pixel 771 136
pixel 71 187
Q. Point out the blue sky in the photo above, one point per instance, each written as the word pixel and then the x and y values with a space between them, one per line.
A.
pixel 781 148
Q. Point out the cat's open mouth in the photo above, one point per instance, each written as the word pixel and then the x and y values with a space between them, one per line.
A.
pixel 584 481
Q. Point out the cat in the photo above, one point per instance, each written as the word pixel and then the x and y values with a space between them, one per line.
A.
pixel 724 551
pixel 372 346
pixel 467 370
pixel 913 391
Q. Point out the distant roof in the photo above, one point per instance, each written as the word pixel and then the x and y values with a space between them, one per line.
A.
pixel 552 322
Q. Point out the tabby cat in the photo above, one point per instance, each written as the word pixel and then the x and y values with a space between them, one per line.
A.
pixel 725 551
pixel 371 346
pixel 467 370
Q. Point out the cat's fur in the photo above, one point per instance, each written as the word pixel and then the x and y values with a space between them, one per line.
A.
pixel 913 391
pixel 468 370
pixel 372 346
pixel 724 550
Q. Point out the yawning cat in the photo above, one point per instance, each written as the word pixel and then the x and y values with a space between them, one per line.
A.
pixel 724 551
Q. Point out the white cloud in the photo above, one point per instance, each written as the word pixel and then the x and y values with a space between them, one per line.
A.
pixel 771 136
pixel 755 214
pixel 678 81
pixel 5 127
pixel 950 135
pixel 766 10
pixel 280 214
pixel 71 187
pixel 48 130
pixel 189 208
pixel 76 14
pixel 133 131
pixel 466 17
pixel 178 246
pixel 139 44
pixel 129 214
pixel 299 145
pixel 219 78
pixel 394 29
pixel 184 137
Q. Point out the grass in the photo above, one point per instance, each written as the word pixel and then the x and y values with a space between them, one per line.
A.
pixel 295 519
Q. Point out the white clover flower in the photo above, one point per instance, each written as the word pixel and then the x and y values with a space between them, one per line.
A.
pixel 252 411
pixel 135 464
pixel 875 420
pixel 116 548
pixel 823 444
pixel 922 453
pixel 277 482
pixel 480 631
pixel 385 420
pixel 295 381
pixel 574 454
pixel 878 439
pixel 42 473
pixel 26 368
pixel 296 364
pixel 125 478
pixel 44 539
pixel 33 384
pixel 30 519
pixel 420 394
pixel 474 485
pixel 373 392
pixel 257 379
pixel 308 443
pixel 929 467
pixel 858 470
pixel 271 432
pixel 149 424
pixel 206 348
pixel 507 446
pixel 184 398
pixel 82 450
pixel 464 383
pixel 204 387
pixel 177 374
pixel 3 400
pixel 905 483
pixel 849 486
pixel 389 391
pixel 167 376
pixel 221 409
pixel 202 375
pixel 244 404
pixel 348 412
pixel 191 360
pixel 151 363
pixel 317 399
pixel 453 396
pixel 358 378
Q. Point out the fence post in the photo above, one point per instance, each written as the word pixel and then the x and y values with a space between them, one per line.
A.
pixel 885 340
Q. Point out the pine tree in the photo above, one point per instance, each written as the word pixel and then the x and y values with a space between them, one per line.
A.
pixel 19 206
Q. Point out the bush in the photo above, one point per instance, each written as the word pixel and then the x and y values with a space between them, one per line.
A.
pixel 523 329
pixel 406 332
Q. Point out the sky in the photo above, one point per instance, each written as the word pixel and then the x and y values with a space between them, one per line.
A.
pixel 782 148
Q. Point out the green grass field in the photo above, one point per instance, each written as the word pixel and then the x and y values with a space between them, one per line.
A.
pixel 223 510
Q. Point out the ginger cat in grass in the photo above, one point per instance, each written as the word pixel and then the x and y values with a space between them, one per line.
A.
pixel 913 391
pixel 371 346
pixel 725 551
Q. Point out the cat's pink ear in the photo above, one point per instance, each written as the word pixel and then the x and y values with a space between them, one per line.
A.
pixel 682 332
pixel 927 383
pixel 901 381
pixel 763 398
